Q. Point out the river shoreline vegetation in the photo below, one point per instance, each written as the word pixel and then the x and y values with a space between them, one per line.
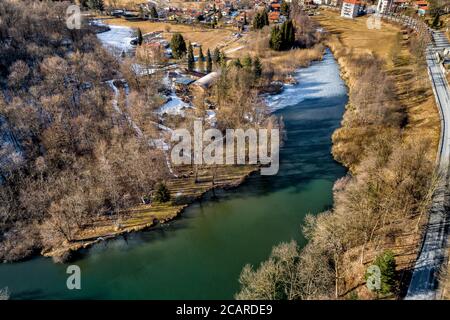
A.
pixel 381 205
pixel 89 158
pixel 81 172
pixel 76 162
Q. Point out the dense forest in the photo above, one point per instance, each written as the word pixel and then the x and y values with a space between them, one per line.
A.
pixel 73 159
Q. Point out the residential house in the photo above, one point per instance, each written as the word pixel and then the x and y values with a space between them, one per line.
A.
pixel 422 7
pixel 275 6
pixel 274 16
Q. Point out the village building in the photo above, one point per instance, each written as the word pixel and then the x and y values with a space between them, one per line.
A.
pixel 387 6
pixel 275 6
pixel 422 7
pixel 274 16
pixel 204 83
pixel 351 8
pixel 384 6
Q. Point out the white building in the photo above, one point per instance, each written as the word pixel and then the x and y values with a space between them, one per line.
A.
pixel 351 8
pixel 384 6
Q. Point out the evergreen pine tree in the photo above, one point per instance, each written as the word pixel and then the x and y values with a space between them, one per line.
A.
pixel 257 21
pixel 291 35
pixel 201 56
pixel 265 18
pixel 260 20
pixel 247 62
pixel 257 67
pixel 245 19
pixel 201 59
pixel 386 263
pixel 100 5
pixel 140 39
pixel 237 63
pixel 276 39
pixel 162 193
pixel 216 56
pixel 178 46
pixel 190 57
pixel 154 13
pixel 222 58
pixel 436 21
pixel 282 37
pixel 208 61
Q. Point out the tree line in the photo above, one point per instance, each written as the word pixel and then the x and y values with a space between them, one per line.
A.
pixel 182 50
pixel 82 161
pixel 391 182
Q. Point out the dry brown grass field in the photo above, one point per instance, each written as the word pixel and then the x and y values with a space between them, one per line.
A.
pixel 348 40
pixel 446 25
pixel 355 35
pixel 208 38
pixel 415 96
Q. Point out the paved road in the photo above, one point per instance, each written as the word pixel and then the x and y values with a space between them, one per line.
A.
pixel 424 280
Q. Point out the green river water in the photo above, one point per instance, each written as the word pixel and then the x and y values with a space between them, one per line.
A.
pixel 200 255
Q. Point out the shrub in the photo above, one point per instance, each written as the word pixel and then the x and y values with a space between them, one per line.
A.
pixel 162 193
pixel 386 263
pixel 178 46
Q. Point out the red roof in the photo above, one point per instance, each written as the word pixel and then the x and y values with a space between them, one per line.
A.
pixel 275 5
pixel 353 1
pixel 275 15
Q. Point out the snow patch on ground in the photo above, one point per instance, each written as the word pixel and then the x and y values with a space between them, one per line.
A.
pixel 175 106
pixel 117 39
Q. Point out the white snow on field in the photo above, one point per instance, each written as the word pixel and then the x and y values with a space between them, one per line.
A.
pixel 320 80
pixel 175 106
pixel 211 117
pixel 117 39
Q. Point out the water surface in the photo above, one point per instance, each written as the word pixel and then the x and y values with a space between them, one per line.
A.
pixel 200 255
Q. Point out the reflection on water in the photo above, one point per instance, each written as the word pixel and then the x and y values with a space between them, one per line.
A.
pixel 201 254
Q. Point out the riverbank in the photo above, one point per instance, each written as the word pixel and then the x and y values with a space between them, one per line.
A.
pixel 200 254
pixel 184 191
pixel 186 186
pixel 351 41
